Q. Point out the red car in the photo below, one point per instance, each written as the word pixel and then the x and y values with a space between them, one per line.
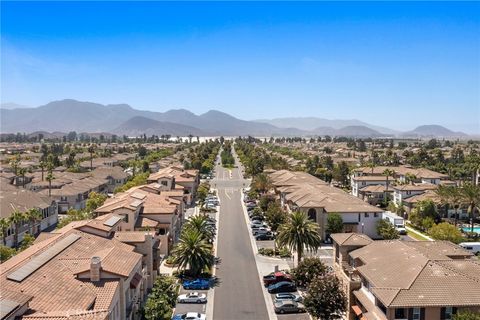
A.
pixel 276 277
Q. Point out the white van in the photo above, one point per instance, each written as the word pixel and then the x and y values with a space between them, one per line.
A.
pixel 473 247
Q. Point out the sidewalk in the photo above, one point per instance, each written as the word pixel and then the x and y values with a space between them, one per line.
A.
pixel 418 233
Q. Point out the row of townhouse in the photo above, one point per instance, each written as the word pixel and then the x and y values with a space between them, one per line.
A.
pixel 71 190
pixel 405 280
pixel 300 191
pixel 373 187
pixel 19 199
pixel 148 208
pixel 86 270
pixel 175 177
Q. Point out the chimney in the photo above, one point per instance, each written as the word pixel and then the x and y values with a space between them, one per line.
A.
pixel 95 267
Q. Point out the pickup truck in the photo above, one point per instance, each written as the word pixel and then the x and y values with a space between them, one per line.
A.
pixel 276 277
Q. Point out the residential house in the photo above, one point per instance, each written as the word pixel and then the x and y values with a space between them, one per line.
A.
pixel 20 199
pixel 74 275
pixel 400 280
pixel 299 191
pixel 175 177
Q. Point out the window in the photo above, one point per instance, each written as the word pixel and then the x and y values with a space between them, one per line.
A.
pixel 400 313
pixel 448 313
pixel 375 214
pixel 416 313
pixel 164 183
pixel 366 215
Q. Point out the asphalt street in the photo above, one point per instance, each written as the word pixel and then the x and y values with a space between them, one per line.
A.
pixel 238 295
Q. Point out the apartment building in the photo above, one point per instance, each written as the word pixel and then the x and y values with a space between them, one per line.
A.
pixel 300 191
pixel 20 199
pixel 142 209
pixel 72 274
pixel 175 177
pixel 400 280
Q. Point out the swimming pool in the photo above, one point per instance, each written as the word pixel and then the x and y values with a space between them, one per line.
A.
pixel 468 229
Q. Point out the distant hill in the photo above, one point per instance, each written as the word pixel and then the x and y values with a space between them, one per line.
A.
pixel 72 115
pixel 433 130
pixel 11 105
pixel 313 123
pixel 138 125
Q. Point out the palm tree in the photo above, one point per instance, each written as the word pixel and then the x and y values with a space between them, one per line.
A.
pixel 91 150
pixel 410 178
pixel 388 173
pixel 22 172
pixel 42 165
pixel 16 218
pixel 449 196
pixel 14 163
pixel 49 178
pixel 33 216
pixel 200 223
pixel 193 252
pixel 262 183
pixel 4 225
pixel 470 195
pixel 299 233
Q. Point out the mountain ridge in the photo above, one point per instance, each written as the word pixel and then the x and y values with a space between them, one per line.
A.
pixel 81 116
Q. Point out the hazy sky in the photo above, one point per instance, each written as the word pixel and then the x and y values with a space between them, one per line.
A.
pixel 391 64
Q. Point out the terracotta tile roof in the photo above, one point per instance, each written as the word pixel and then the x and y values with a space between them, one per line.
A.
pixel 130 236
pixel 420 273
pixel 55 287
pixel 144 222
pixel 416 187
pixel 351 239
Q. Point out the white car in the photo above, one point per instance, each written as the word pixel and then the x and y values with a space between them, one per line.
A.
pixel 195 316
pixel 193 297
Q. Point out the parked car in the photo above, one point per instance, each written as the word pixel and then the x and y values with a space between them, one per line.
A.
pixel 264 236
pixel 282 286
pixel 288 306
pixel 261 230
pixel 288 296
pixel 190 316
pixel 197 284
pixel 275 277
pixel 251 205
pixel 192 297
pixel 258 224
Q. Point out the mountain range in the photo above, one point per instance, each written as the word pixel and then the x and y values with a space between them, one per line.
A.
pixel 121 119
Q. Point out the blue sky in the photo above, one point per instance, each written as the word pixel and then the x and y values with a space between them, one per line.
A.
pixel 392 64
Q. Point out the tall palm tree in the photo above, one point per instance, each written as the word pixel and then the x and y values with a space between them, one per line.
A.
pixel 193 252
pixel 49 178
pixel 42 166
pixel 388 173
pixel 450 196
pixel 200 223
pixel 14 163
pixel 299 233
pixel 22 172
pixel 4 225
pixel 34 215
pixel 16 219
pixel 470 195
pixel 91 150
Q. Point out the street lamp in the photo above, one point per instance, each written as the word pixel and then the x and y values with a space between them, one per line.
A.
pixel 363 227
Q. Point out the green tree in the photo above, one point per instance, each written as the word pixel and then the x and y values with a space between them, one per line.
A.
pixel 42 166
pixel 193 252
pixel 445 231
pixel 161 300
pixel 325 298
pixel 33 216
pixel 334 223
pixel 388 173
pixel 466 315
pixel 200 223
pixel 95 200
pixel 16 219
pixel 4 225
pixel 50 177
pixel 27 241
pixel 262 183
pixel 470 195
pixel 387 230
pixel 91 150
pixel 298 233
pixel 307 270
pixel 6 253
pixel 450 196
pixel 22 172
pixel 423 209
